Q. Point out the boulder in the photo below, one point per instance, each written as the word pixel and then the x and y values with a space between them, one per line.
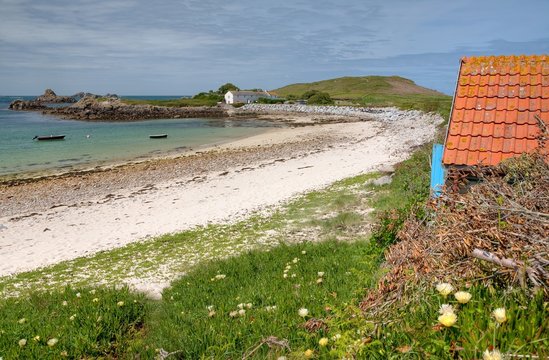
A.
pixel 50 96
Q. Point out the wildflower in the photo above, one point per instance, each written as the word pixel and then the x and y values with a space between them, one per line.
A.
pixel 92 291
pixel 22 342
pixel 36 338
pixel 270 308
pixel 285 275
pixel 445 309
pixel 279 358
pixel 320 273
pixel 220 276
pixel 241 312
pixel 444 289
pixel 491 355
pixel 22 321
pixel 52 342
pixel 72 317
pixel 319 280
pixel 249 305
pixel 211 314
pixel 447 319
pixel 120 303
pixel 303 312
pixel 323 341
pixel 64 303
pixel 499 315
pixel 336 337
pixel 463 297
pixel 304 252
pixel 240 306
pixel 210 307
pixel 294 275
pixel 78 295
pixel 309 353
pixel 288 267
pixel 233 314
pixel 64 353
pixel 100 318
pixel 295 260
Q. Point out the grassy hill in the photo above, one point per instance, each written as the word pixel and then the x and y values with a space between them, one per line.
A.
pixel 375 91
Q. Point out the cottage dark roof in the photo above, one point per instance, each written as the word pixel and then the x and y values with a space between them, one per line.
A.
pixel 495 107
pixel 246 92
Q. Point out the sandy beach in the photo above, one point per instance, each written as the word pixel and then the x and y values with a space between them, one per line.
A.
pixel 58 218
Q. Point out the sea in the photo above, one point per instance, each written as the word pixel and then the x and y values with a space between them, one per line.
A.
pixel 92 144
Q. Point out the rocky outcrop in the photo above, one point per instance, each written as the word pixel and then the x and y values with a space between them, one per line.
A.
pixel 28 105
pixel 50 96
pixel 94 109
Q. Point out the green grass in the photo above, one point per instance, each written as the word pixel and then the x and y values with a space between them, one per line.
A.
pixel 428 103
pixel 83 327
pixel 172 102
pixel 182 322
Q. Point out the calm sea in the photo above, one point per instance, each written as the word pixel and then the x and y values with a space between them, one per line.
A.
pixel 89 144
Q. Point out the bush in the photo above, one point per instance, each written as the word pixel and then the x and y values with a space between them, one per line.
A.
pixel 237 105
pixel 270 101
pixel 320 98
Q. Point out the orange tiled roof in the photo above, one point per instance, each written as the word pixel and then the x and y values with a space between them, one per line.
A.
pixel 495 103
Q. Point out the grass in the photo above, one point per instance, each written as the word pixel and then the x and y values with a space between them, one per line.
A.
pixel 184 323
pixel 86 323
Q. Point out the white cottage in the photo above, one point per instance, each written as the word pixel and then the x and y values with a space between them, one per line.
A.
pixel 246 97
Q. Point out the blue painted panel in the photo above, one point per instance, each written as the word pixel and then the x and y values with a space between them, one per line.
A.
pixel 438 172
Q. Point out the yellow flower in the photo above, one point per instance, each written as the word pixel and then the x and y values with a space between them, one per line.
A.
pixel 22 342
pixel 499 315
pixel 22 321
pixel 95 299
pixel 491 355
pixel 120 303
pixel 303 312
pixel 444 289
pixel 447 319
pixel 323 341
pixel 36 338
pixel 463 297
pixel 52 342
pixel 309 353
pixel 64 353
pixel 72 317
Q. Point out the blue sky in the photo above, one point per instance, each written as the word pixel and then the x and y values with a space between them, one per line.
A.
pixel 183 47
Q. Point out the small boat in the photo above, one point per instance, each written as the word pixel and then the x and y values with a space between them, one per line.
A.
pixel 49 137
pixel 158 136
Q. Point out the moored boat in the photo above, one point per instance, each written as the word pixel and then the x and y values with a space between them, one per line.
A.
pixel 158 136
pixel 49 137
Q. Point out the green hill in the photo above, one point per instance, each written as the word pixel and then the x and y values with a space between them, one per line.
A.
pixel 375 91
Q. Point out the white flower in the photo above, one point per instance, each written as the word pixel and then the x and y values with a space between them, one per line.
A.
pixel 463 297
pixel 233 314
pixel 65 303
pixel 120 303
pixel 241 312
pixel 304 252
pixel 72 317
pixel 249 305
pixel 220 276
pixel 491 355
pixel 270 308
pixel 336 337
pixel 499 315
pixel 303 312
pixel 52 342
pixel 92 291
pixel 36 338
pixel 320 273
pixel 444 289
pixel 22 342
pixel 95 299
pixel 288 267
pixel 295 260
pixel 278 358
pixel 445 309
pixel 240 306
pixel 294 275
pixel 447 319
pixel 285 275
pixel 319 280
pixel 78 295
pixel 211 314
pixel 22 321
pixel 210 307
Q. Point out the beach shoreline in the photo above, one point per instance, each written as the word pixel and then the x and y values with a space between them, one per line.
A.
pixel 49 220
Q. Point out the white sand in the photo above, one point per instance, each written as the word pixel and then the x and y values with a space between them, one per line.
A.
pixel 65 233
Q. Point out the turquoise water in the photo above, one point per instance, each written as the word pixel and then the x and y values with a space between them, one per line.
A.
pixel 101 143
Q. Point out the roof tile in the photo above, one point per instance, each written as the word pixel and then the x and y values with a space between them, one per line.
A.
pixel 494 107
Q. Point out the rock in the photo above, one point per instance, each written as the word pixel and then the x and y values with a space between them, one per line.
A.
pixel 26 105
pixel 50 96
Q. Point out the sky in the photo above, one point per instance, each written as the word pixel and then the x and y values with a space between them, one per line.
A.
pixel 153 47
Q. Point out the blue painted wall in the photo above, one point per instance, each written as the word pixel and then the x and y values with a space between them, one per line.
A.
pixel 438 172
